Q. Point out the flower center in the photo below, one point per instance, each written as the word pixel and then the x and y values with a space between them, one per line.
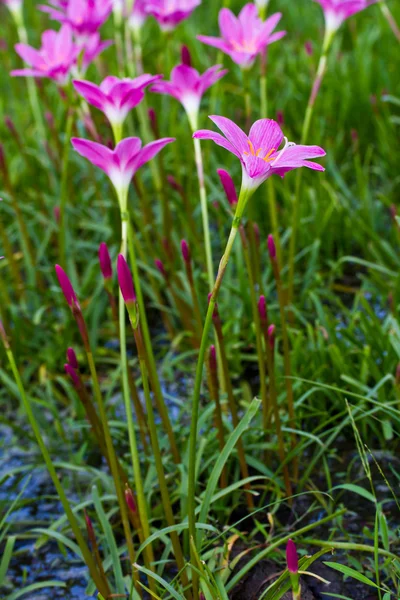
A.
pixel 267 158
pixel 244 46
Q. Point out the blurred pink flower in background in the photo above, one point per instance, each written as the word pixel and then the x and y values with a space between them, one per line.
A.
pixel 115 97
pixel 138 15
pixel 13 5
pixel 84 16
pixel 245 36
pixel 337 11
pixel 91 47
pixel 188 86
pixel 259 151
pixel 55 59
pixel 169 13
pixel 122 163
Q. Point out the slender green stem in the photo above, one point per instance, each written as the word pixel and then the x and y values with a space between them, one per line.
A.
pixel 99 581
pixel 263 85
pixel 390 19
pixel 204 212
pixel 152 367
pixel 64 189
pixel 244 196
pixel 304 136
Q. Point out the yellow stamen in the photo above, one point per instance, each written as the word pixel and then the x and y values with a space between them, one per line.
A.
pixel 267 157
pixel 251 148
pixel 258 151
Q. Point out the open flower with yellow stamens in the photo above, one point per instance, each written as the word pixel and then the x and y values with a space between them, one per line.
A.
pixel 260 152
pixel 245 36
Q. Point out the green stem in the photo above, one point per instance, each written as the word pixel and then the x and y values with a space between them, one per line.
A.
pixel 304 136
pixel 244 196
pixel 100 583
pixel 64 189
pixel 390 19
pixel 204 212
pixel 152 367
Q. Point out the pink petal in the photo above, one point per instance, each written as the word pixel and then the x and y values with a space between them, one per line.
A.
pixel 148 152
pixel 211 76
pixel 205 134
pixel 92 93
pixel 248 15
pixel 296 154
pixel 214 41
pixel 265 134
pixel 29 55
pixel 232 132
pixel 127 149
pixel 270 24
pixel 97 154
pixel 229 25
pixel 276 36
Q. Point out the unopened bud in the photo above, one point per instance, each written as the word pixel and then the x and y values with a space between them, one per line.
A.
pixel 185 55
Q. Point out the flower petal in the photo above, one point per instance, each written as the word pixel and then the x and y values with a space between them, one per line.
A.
pixel 148 152
pixel 229 25
pixel 97 154
pixel 266 134
pixel 232 132
pixel 206 134
pixel 216 42
pixel 91 92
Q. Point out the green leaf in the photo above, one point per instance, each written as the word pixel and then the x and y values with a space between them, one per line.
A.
pixel 5 559
pixel 161 581
pixel 36 586
pixel 348 572
pixel 356 489
pixel 223 457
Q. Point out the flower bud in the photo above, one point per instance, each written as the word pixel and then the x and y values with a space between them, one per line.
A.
pixel 262 309
pixel 71 358
pixel 66 287
pixel 105 261
pixel 125 280
pixel 185 55
pixel 291 557
pixel 271 247
pixel 271 336
pixel 70 371
pixel 213 358
pixel 160 266
pixel 185 251
pixel 229 186
pixel 130 500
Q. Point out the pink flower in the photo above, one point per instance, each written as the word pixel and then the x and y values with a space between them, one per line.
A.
pixel 85 17
pixel 121 163
pixel 91 47
pixel 188 86
pixel 14 5
pixel 138 15
pixel 115 97
pixel 337 11
pixel 245 36
pixel 259 151
pixel 169 13
pixel 55 59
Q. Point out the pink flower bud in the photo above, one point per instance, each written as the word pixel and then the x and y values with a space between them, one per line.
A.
pixel 393 211
pixel 308 47
pixel 66 287
pixel 125 280
pixel 3 336
pixel 160 266
pixel 70 371
pixel 71 358
pixel 213 358
pixel 56 213
pixel 271 247
pixel 291 557
pixel 229 186
pixel 185 251
pixel 262 308
pixel 186 58
pixel 271 336
pixel 130 500
pixel 105 261
pixel 89 527
pixel 174 184
pixel 153 121
pixel 280 118
pixel 354 135
pixel 49 118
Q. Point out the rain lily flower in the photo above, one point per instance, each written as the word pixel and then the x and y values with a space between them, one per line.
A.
pixel 90 48
pixel 337 11
pixel 138 15
pixel 55 59
pixel 115 97
pixel 85 17
pixel 259 152
pixel 245 36
pixel 188 86
pixel 121 163
pixel 169 13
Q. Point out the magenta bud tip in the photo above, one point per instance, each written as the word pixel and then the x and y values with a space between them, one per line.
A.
pixel 56 213
pixel 271 247
pixel 174 184
pixel 393 211
pixel 291 557
pixel 308 47
pixel 228 185
pixel 160 266
pixel 70 371
pixel 71 358
pixel 89 525
pixel 125 280
pixel 185 251
pixel 152 115
pixel 130 500
pixel 105 261
pixel 271 335
pixel 186 57
pixel 66 286
pixel 213 358
pixel 280 118
pixel 262 308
